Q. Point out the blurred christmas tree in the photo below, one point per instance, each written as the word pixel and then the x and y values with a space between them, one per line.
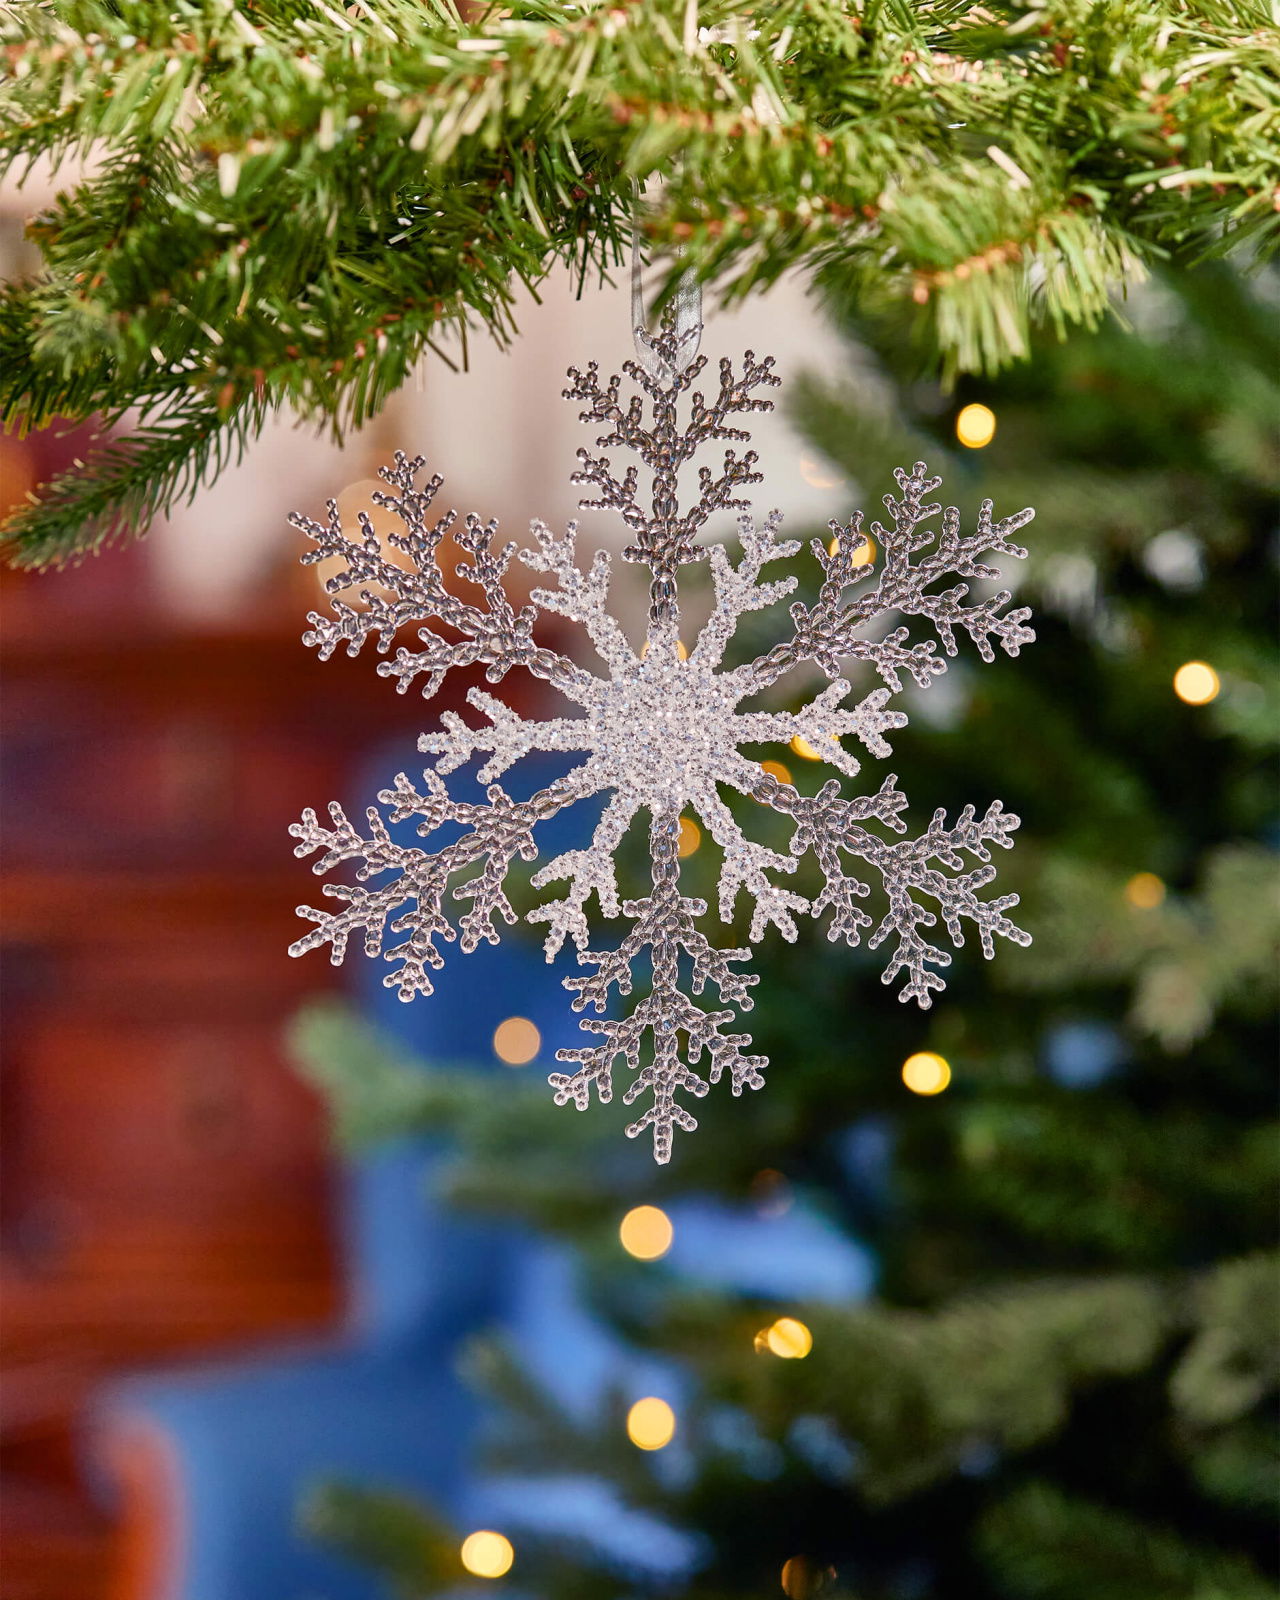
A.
pixel 1064 1386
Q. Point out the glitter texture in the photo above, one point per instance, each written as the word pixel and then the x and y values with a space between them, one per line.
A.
pixel 659 734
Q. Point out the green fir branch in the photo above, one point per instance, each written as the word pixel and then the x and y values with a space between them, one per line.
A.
pixel 122 485
pixel 298 200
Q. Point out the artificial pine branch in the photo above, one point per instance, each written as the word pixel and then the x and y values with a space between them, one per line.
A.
pixel 298 196
pixel 125 484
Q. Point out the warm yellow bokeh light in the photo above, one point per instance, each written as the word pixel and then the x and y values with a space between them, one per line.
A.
pixel 789 1339
pixel 771 1193
pixel 775 769
pixel 486 1554
pixel 651 1424
pixel 863 556
pixel 976 426
pixel 926 1073
pixel 352 500
pixel 802 1579
pixel 1196 682
pixel 646 1232
pixel 690 837
pixel 819 473
pixel 516 1041
pixel 802 747
pixel 1145 891
pixel 682 652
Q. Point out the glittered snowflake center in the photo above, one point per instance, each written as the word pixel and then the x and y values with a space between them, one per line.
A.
pixel 658 723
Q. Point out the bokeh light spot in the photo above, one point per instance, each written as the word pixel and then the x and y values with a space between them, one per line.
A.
pixel 976 426
pixel 790 1339
pixel 646 1232
pixel 777 770
pixel 803 1579
pixel 863 556
pixel 803 748
pixel 651 1424
pixel 486 1554
pixel 818 473
pixel 1145 891
pixel 516 1041
pixel 1196 682
pixel 926 1073
pixel 771 1193
pixel 690 837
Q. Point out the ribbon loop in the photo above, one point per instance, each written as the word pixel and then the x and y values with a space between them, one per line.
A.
pixel 671 350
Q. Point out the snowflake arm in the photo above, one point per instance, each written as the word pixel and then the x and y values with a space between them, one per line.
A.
pixel 505 740
pixel 746 865
pixel 579 597
pixel 664 538
pixel 932 864
pixel 664 925
pixel 824 722
pixel 496 636
pixel 738 590
pixel 916 555
pixel 587 871
pixel 498 832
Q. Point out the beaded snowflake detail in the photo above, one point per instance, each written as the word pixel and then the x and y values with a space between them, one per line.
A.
pixel 659 732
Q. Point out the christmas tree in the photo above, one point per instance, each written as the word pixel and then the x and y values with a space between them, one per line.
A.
pixel 1065 1171
pixel 1064 1385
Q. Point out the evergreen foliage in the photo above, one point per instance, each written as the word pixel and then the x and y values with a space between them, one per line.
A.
pixel 1066 1383
pixel 289 201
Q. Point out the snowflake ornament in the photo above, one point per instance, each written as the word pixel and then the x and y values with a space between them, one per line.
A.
pixel 660 732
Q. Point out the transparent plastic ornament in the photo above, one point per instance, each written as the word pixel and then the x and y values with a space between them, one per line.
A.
pixel 660 733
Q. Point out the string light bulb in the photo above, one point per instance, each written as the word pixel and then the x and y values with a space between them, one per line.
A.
pixel 926 1073
pixel 651 1424
pixel 646 1232
pixel 976 426
pixel 486 1554
pixel 1196 683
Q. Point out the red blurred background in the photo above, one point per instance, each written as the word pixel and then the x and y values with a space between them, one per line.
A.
pixel 166 1176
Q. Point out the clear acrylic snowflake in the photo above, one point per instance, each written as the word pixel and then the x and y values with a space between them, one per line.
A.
pixel 661 733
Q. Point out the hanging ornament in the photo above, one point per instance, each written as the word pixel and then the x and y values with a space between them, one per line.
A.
pixel 660 732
